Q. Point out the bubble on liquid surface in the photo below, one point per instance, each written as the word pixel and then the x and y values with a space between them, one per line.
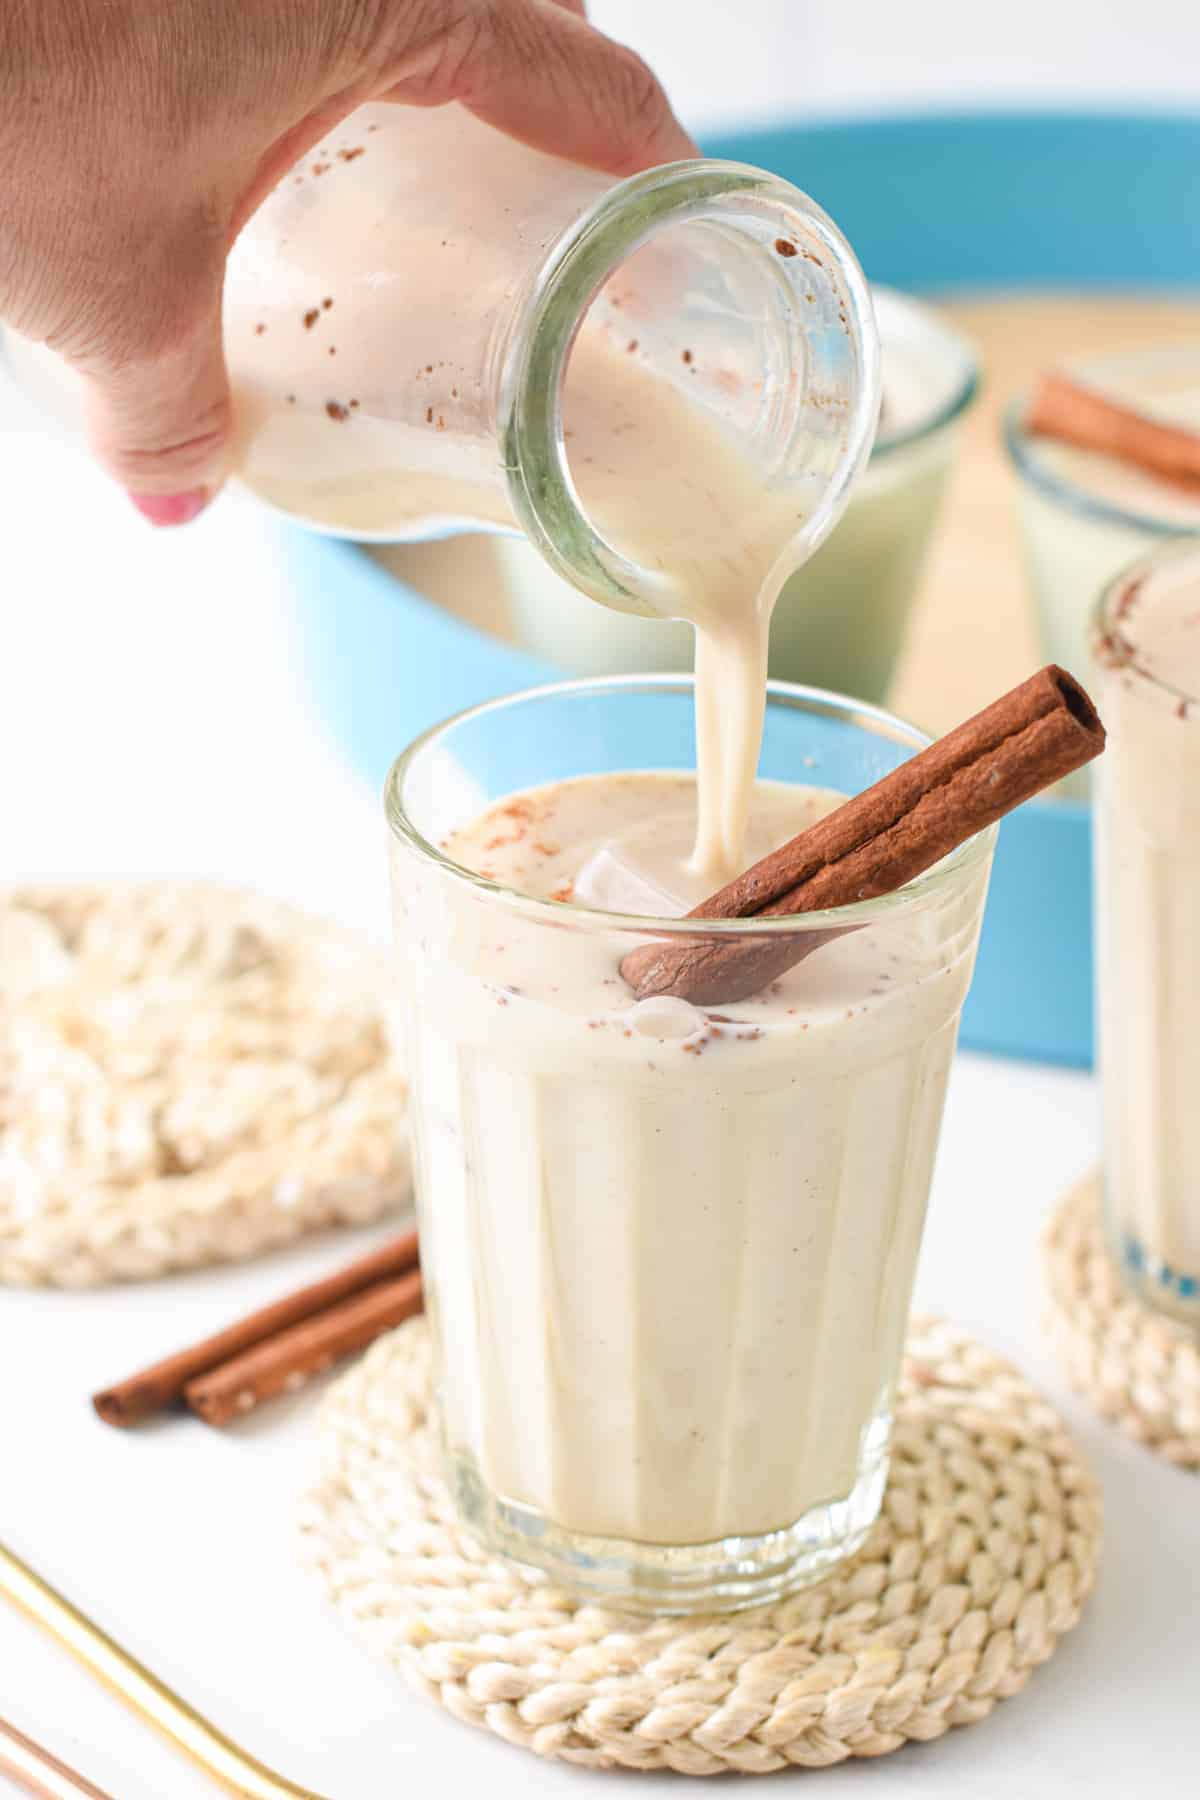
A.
pixel 663 1016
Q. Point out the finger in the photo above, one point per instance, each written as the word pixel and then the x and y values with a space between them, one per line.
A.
pixel 158 407
pixel 539 72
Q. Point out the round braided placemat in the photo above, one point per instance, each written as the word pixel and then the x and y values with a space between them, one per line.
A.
pixel 1136 1368
pixel 189 1074
pixel 981 1560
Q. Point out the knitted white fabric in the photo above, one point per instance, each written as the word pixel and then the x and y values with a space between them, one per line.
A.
pixel 188 1074
pixel 1137 1369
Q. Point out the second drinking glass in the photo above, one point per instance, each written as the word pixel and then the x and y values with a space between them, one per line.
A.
pixel 1147 639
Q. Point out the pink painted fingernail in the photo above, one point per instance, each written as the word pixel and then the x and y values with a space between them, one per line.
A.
pixel 171 509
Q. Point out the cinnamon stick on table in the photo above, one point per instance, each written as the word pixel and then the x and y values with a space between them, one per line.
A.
pixel 881 839
pixel 1076 414
pixel 283 1363
pixel 156 1388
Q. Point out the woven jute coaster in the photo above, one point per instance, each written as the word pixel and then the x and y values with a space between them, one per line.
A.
pixel 981 1560
pixel 188 1074
pixel 1136 1369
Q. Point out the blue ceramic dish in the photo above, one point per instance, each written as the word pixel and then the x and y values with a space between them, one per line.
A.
pixel 931 204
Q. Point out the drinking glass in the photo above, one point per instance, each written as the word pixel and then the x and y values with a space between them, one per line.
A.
pixel 1080 525
pixel 668 1291
pixel 1147 888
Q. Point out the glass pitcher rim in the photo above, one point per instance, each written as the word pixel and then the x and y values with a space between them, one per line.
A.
pixel 598 241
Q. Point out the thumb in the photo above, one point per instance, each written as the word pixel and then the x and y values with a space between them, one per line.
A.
pixel 157 404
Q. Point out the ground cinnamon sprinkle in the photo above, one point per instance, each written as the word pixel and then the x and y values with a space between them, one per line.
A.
pixel 259 329
pixel 429 415
pixel 327 303
pixel 632 345
pixel 349 155
pixel 311 317
pixel 336 410
pixel 687 356
pixel 785 247
pixel 320 168
pixel 333 349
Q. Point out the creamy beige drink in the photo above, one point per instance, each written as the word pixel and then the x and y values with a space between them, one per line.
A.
pixel 1148 911
pixel 689 1320
pixel 670 1248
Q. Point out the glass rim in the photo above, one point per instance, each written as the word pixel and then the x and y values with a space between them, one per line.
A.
pixel 1105 613
pixel 950 869
pixel 966 392
pixel 1069 494
pixel 617 223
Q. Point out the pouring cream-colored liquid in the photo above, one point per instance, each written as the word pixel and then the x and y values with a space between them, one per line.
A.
pixel 660 482
pixel 658 479
pixel 839 621
pixel 1148 902
pixel 672 1253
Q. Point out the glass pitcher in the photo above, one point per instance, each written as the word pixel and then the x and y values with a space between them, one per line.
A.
pixel 432 328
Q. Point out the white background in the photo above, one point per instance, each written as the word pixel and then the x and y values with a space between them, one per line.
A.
pixel 149 721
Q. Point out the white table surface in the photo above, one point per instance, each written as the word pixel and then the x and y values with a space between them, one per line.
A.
pixel 150 722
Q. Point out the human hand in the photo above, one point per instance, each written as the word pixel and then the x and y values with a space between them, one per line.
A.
pixel 137 136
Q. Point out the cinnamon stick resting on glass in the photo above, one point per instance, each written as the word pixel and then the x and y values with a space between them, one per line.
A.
pixel 879 840
pixel 1077 414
